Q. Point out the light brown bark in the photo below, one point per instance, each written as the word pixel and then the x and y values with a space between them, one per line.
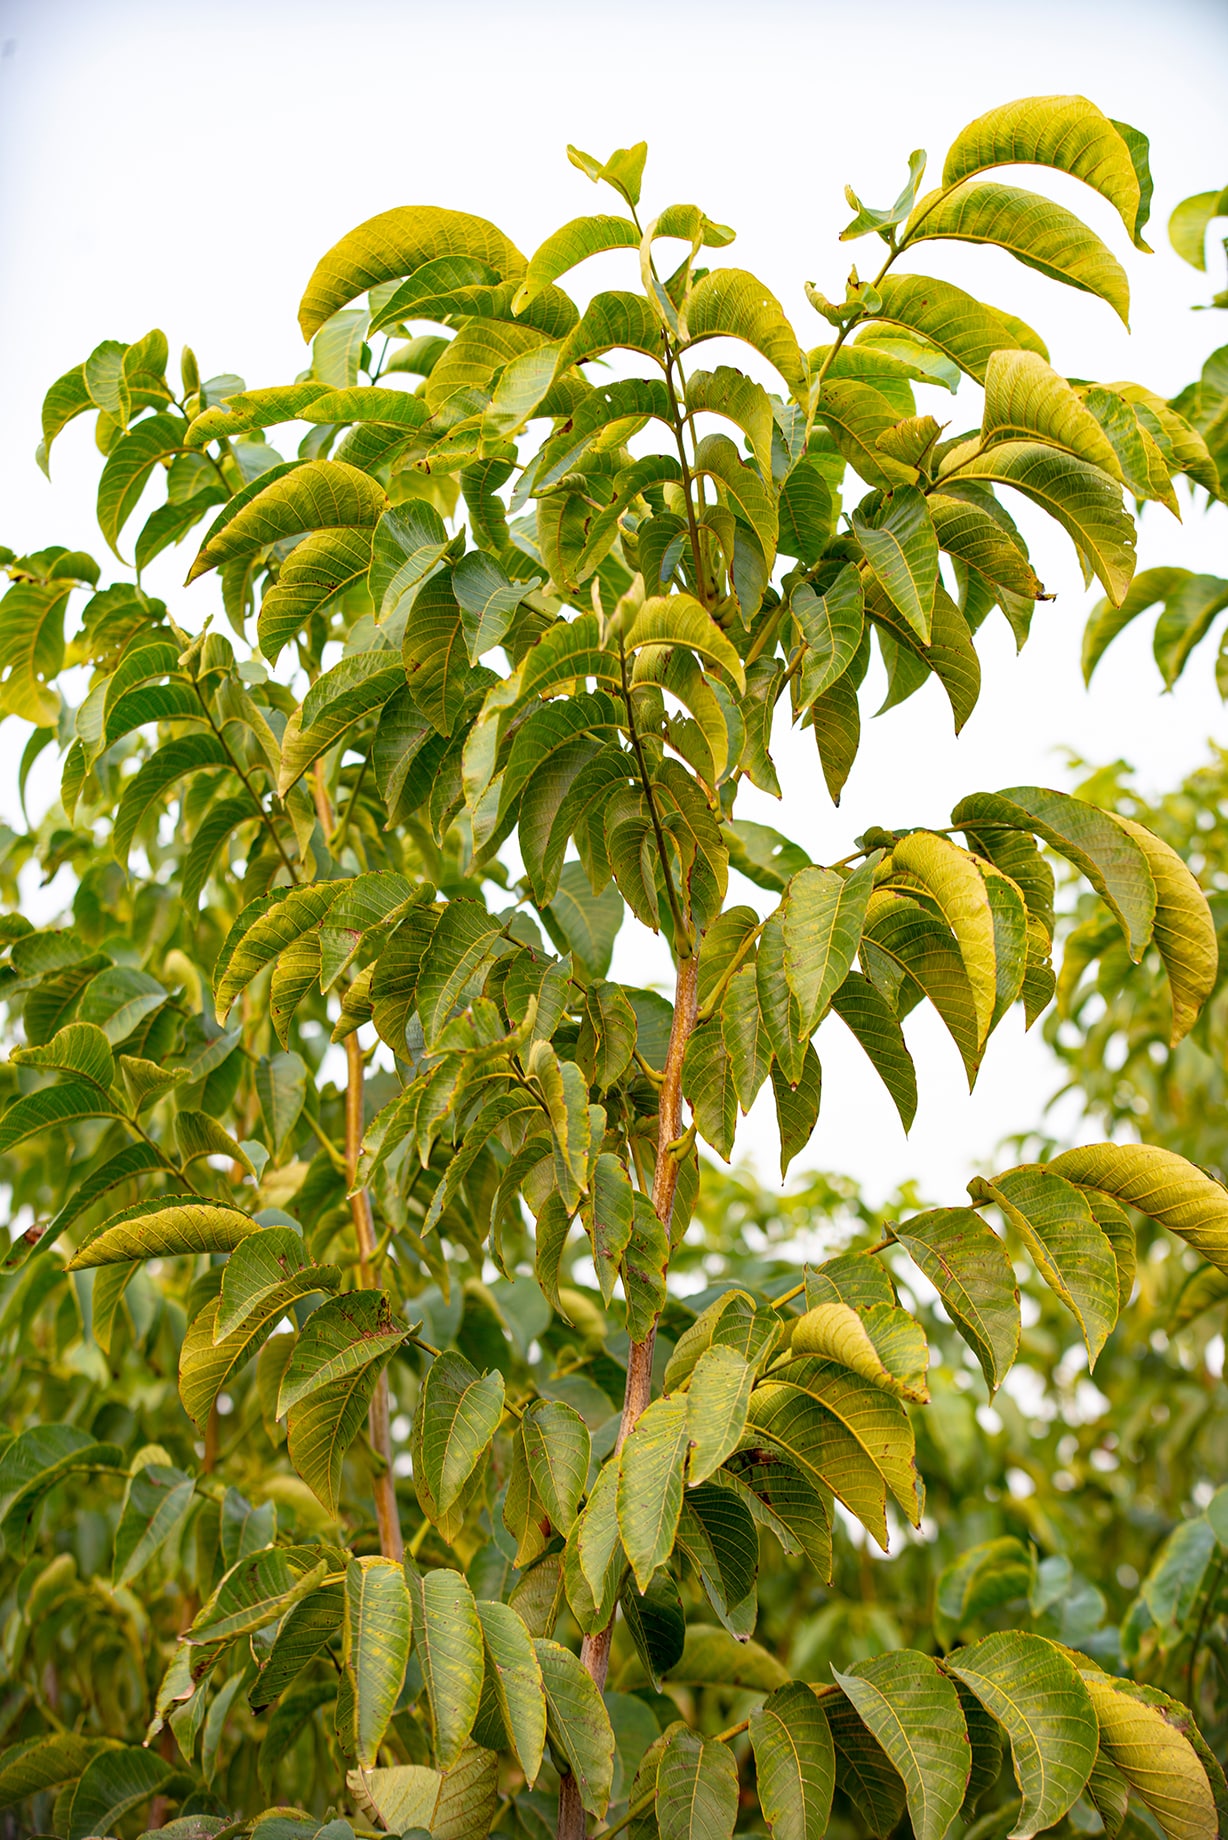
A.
pixel 391 1541
pixel 595 1649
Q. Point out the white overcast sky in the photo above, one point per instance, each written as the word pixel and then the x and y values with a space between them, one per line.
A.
pixel 184 165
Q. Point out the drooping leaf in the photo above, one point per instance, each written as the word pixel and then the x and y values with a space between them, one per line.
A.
pixel 1068 133
pixel 1033 1689
pixel 822 917
pixel 448 1645
pixel 697 1788
pixel 913 1710
pixel 967 1264
pixel 1066 1242
pixel 459 1412
pixel 375 1651
pixel 577 1723
pixel 795 1763
pixel 515 1673
pixel 650 1485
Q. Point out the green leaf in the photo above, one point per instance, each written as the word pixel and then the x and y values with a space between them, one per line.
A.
pixel 797 1105
pixel 158 1499
pixel 727 392
pixel 316 573
pixel 708 1083
pixel 255 1592
pixel 856 414
pixel 32 1464
pixel 1187 232
pixel 967 330
pixel 986 1576
pixel 656 1622
pixel 822 916
pixel 678 619
pixel 448 1644
pixel 624 169
pixel 1082 499
pixel 650 1485
pixel 1068 133
pixel 954 882
pixel 1032 1689
pixel 264 1266
pixel 730 303
pixel 595 1542
pixel 460 1411
pixel 375 1651
pixel 1066 1242
pixel 46 1762
pixel 405 1796
pixel 32 650
pixel 745 1037
pixel 968 1266
pixel 1184 933
pixel 1036 231
pixel 577 1723
pixel 331 1377
pixel 717 1399
pixel 579 921
pixel 795 1763
pixel 1025 399
pixel 174 761
pixel 831 625
pixel 129 466
pixel 301 1634
pixel 573 244
pixel 340 1339
pixel 355 688
pixel 843 1433
pixel 913 1710
pixel 1143 1739
pixel 914 941
pixel 557 1449
pixel 882 1343
pixel 79 1047
pixel 869 1018
pixel 515 1674
pixel 395 243
pixel 697 1787
pixel 263 932
pixel 1096 844
pixel 982 543
pixel 247 410
pixel 1160 1184
pixel 901 547
pixel 752 501
pixel 164 1228
pixel 111 1786
pixel 319 495
pixel 459 945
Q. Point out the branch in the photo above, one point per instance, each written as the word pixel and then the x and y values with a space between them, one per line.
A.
pixel 392 1545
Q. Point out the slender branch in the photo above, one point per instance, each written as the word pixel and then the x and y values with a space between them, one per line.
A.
pixel 595 1649
pixel 265 817
pixel 392 1545
pixel 682 935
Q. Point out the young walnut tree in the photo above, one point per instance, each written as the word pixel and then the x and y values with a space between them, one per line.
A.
pixel 363 1468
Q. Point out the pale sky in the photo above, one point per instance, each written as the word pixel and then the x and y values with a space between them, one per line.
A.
pixel 185 166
